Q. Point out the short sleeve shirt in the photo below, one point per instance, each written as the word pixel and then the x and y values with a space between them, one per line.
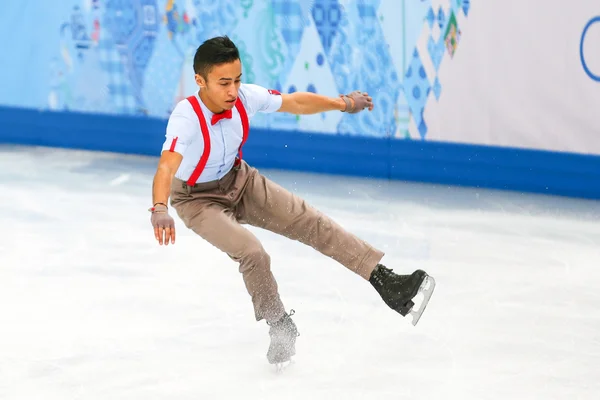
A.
pixel 184 135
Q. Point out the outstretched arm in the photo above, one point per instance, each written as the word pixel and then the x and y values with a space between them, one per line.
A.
pixel 313 103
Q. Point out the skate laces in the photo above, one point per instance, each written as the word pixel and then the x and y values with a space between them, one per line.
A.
pixel 285 323
pixel 381 273
pixel 282 319
pixel 292 312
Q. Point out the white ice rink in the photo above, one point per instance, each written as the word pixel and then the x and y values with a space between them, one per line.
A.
pixel 92 308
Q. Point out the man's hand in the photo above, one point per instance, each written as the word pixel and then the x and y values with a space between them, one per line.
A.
pixel 164 226
pixel 357 101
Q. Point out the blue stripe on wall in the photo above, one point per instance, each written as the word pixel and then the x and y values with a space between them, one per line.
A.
pixel 523 170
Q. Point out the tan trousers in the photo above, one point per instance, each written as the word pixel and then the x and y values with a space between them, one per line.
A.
pixel 215 211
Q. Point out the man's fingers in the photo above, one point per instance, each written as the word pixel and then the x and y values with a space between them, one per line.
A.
pixel 167 235
pixel 161 232
pixel 173 235
pixel 164 234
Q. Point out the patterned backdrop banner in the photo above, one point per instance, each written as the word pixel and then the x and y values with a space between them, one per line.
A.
pixel 493 73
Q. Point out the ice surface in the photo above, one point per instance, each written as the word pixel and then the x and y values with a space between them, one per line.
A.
pixel 92 308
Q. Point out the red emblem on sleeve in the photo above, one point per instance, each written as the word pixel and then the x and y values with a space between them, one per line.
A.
pixel 273 91
pixel 173 143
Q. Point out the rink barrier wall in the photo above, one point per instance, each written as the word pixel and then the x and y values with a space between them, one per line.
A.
pixel 524 170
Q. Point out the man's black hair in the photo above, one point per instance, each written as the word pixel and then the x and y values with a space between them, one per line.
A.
pixel 214 51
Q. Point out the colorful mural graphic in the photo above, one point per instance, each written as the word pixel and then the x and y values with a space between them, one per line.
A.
pixel 135 57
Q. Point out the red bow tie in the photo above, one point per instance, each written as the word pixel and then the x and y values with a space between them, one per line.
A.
pixel 217 117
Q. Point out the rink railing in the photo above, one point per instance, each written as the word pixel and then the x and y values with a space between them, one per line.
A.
pixel 532 171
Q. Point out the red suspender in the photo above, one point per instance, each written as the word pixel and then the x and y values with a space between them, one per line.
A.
pixel 245 127
pixel 206 136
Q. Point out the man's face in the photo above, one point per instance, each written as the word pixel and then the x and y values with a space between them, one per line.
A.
pixel 222 84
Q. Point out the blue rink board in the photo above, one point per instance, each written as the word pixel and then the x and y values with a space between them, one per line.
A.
pixel 532 171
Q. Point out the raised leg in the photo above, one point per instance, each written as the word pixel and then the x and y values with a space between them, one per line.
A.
pixel 267 205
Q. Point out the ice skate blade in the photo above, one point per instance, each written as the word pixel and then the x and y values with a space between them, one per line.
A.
pixel 426 289
pixel 279 354
pixel 282 366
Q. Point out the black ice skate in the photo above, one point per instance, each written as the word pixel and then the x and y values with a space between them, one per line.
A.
pixel 398 291
pixel 283 340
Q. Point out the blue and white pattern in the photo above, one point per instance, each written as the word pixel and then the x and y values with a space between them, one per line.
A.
pixel 140 53
pixel 133 28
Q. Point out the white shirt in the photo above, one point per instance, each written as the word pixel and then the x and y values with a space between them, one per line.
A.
pixel 183 129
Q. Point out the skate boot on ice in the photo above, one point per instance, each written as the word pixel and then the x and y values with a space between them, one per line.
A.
pixel 283 340
pixel 398 291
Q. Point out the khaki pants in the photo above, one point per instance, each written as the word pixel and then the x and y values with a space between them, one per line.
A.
pixel 215 211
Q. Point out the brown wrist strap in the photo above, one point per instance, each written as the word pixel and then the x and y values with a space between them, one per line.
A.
pixel 153 208
pixel 348 102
